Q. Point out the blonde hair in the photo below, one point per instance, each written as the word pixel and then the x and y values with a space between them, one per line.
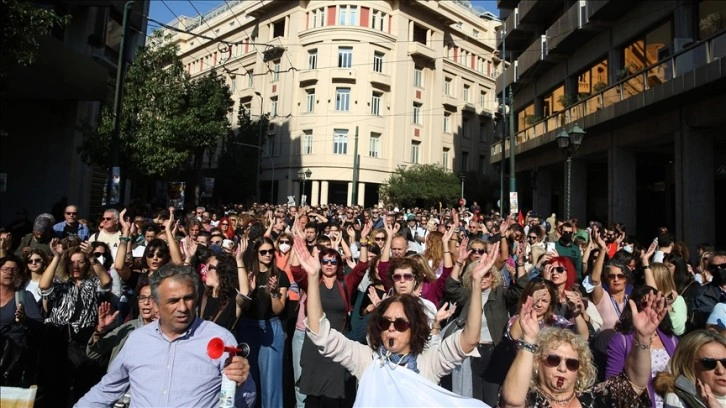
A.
pixel 428 273
pixel 554 337
pixel 663 278
pixel 434 251
pixel 466 276
pixel 683 360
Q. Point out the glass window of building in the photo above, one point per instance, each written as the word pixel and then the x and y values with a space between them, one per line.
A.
pixel 377 20
pixel 273 106
pixel 445 158
pixel 342 99
pixel 250 79
pixel 348 15
pixel 467 88
pixel 378 62
pixel 647 50
pixel 417 113
pixel 308 141
pixel 465 128
pixel 313 59
pixel 418 76
pixel 553 102
pixel 447 86
pixel 464 161
pixel 415 149
pixel 447 122
pixel 482 98
pixel 310 100
pixel 375 145
pixel 276 71
pixel 376 103
pixel 711 18
pixel 345 57
pixel 317 17
pixel 522 121
pixel 340 141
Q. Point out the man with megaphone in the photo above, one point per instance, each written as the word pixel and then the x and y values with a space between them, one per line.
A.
pixel 166 363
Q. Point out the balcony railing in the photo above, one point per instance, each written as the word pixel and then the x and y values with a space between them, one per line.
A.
pixel 680 63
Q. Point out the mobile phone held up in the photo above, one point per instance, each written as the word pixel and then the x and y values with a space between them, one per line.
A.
pixel 551 247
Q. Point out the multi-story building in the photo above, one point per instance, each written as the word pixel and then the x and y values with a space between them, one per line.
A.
pixel 400 82
pixel 646 82
pixel 47 102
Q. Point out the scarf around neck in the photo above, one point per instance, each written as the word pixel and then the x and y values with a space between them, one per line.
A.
pixel 406 360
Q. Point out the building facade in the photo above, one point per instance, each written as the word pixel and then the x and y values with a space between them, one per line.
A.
pixel 646 81
pixel 47 102
pixel 400 82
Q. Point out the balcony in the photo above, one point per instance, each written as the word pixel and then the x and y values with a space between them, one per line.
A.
pixel 416 49
pixel 310 75
pixel 342 75
pixel 606 10
pixel 537 11
pixel 380 80
pixel 450 103
pixel 697 66
pixel 518 34
pixel 536 54
pixel 571 30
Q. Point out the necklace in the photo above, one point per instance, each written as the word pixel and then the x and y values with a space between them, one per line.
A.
pixel 552 399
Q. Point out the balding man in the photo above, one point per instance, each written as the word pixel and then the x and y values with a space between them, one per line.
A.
pixel 71 226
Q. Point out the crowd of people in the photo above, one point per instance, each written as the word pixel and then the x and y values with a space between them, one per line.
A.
pixel 348 306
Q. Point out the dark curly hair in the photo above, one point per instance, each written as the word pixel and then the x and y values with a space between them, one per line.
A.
pixel 405 263
pixel 228 280
pixel 330 252
pixel 414 311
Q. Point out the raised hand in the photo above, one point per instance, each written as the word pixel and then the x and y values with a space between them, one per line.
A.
pixel 20 314
pixel 367 227
pixel 447 236
pixel 105 318
pixel 190 248
pixel 309 262
pixel 646 321
pixel 241 247
pixel 125 224
pixel 706 395
pixel 485 264
pixel 86 248
pixel 272 283
pixel 645 256
pixel 598 238
pixel 447 310
pixel 56 247
pixel 464 251
pixel 528 321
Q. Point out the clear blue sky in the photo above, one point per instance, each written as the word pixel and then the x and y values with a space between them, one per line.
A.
pixel 165 10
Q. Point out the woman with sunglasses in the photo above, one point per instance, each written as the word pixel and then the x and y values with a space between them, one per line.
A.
pixel 610 303
pixel 474 380
pixel 225 225
pixel 662 343
pixel 569 303
pixel 553 367
pixel 35 263
pixel 696 376
pixel 260 326
pixel 322 380
pixel 398 334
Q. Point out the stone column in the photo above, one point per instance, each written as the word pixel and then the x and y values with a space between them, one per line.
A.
pixel 361 194
pixel 324 186
pixel 622 191
pixel 314 198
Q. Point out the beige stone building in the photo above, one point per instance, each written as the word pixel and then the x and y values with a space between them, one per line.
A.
pixel 404 81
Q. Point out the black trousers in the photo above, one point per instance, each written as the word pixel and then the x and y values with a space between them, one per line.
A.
pixel 483 388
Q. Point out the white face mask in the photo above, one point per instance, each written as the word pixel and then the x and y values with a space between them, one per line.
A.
pixel 284 248
pixel 628 248
pixel 101 259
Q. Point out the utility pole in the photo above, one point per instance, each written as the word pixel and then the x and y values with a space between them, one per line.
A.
pixel 118 93
pixel 356 170
pixel 504 119
pixel 512 146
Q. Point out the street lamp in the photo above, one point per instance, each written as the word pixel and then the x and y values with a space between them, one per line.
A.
pixel 462 177
pixel 568 143
pixel 303 176
pixel 259 144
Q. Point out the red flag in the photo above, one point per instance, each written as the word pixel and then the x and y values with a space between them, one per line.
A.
pixel 520 218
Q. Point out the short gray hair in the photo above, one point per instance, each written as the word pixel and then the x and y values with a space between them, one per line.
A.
pixel 176 272
pixel 111 211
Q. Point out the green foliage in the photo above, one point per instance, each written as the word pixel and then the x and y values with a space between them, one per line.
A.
pixel 23 23
pixel 422 185
pixel 166 119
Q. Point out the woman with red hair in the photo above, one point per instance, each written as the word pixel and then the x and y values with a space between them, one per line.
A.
pixel 569 303
pixel 225 225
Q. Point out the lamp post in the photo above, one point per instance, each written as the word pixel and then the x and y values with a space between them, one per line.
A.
pixel 259 144
pixel 303 176
pixel 462 177
pixel 568 143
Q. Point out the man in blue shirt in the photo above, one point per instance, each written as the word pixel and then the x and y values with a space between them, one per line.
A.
pixel 165 363
pixel 71 226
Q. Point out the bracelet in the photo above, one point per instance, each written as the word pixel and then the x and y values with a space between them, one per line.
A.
pixel 642 346
pixel 447 252
pixel 645 267
pixel 243 296
pixel 523 345
pixel 124 239
pixel 460 263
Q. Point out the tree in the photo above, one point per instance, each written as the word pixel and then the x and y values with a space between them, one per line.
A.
pixel 166 119
pixel 421 185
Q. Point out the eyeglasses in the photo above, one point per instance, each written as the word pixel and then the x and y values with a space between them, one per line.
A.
pixel 265 252
pixel 554 360
pixel 35 261
pixel 480 251
pixel 402 277
pixel 9 269
pixel 560 269
pixel 143 299
pixel 715 267
pixel 283 241
pixel 616 276
pixel 329 262
pixel 154 254
pixel 709 364
pixel 71 213
pixel 487 275
pixel 379 238
pixel 400 324
pixel 532 237
pixel 107 218
pixel 97 254
pixel 211 267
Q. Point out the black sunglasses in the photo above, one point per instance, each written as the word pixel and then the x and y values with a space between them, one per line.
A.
pixel 709 364
pixel 329 262
pixel 715 267
pixel 283 241
pixel 400 324
pixel 554 360
pixel 532 237
pixel 480 251
pixel 264 252
pixel 152 253
pixel 558 269
pixel 97 254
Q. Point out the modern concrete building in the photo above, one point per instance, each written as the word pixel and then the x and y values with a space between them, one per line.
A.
pixel 47 102
pixel 646 81
pixel 402 82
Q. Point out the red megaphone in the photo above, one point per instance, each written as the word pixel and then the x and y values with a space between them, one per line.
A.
pixel 216 347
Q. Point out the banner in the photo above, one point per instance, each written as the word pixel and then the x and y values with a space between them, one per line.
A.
pixel 175 194
pixel 513 203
